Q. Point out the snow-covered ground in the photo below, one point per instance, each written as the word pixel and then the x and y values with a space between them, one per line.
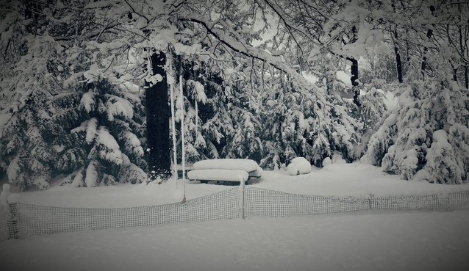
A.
pixel 349 241
pixel 338 179
pixel 411 241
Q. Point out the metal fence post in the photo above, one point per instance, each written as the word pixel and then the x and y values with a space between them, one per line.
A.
pixel 370 201
pixel 241 197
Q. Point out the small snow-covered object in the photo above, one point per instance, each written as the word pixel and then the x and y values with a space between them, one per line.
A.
pixel 327 161
pixel 299 165
pixel 5 194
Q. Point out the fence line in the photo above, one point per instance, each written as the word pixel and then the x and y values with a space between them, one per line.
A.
pixel 21 220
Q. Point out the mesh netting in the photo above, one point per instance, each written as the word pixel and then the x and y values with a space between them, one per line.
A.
pixel 20 220
pixel 264 202
pixel 448 201
pixel 37 220
pixel 4 217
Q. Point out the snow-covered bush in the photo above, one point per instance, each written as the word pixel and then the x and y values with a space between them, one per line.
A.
pixel 381 140
pixel 427 132
pixel 298 165
pixel 442 165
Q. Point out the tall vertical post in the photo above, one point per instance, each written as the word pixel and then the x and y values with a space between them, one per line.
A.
pixel 183 151
pixel 241 198
pixel 173 131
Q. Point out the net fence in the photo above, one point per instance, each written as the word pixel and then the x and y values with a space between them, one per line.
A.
pixel 264 202
pixel 21 220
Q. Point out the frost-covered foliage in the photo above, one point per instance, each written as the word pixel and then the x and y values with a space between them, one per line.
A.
pixel 92 135
pixel 271 122
pixel 426 138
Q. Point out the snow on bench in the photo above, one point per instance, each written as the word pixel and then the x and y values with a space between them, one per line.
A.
pixel 247 165
pixel 231 175
pixel 233 170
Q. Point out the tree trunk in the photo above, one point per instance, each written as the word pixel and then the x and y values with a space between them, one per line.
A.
pixel 398 64
pixel 158 113
pixel 425 49
pixel 466 77
pixel 396 49
pixel 354 80
pixel 398 57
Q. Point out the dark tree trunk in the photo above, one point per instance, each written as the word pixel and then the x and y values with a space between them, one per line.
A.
pixel 398 64
pixel 354 80
pixel 423 68
pixel 398 57
pixel 158 112
pixel 466 77
pixel 425 49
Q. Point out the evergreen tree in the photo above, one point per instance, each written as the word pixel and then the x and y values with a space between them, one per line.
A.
pixel 90 136
pixel 426 138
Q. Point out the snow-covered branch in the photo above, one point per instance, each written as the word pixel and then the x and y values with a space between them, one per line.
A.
pixel 244 48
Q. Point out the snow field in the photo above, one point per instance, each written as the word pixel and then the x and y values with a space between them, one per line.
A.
pixel 349 241
pixel 339 179
pixel 361 241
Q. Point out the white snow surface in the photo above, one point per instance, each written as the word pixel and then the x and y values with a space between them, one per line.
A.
pixel 373 240
pixel 244 164
pixel 355 179
pixel 363 241
pixel 343 77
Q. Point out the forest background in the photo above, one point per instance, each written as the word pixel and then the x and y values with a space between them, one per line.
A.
pixel 87 87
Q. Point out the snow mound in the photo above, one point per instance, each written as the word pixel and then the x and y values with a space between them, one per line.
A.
pixel 299 165
pixel 327 161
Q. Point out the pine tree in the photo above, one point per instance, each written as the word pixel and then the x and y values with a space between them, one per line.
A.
pixel 92 136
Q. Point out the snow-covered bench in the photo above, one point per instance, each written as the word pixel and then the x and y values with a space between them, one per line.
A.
pixel 228 170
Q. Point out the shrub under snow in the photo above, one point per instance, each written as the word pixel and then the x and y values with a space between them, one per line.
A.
pixel 426 138
pixel 299 165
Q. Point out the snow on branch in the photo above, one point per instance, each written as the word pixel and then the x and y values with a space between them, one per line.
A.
pixel 246 49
